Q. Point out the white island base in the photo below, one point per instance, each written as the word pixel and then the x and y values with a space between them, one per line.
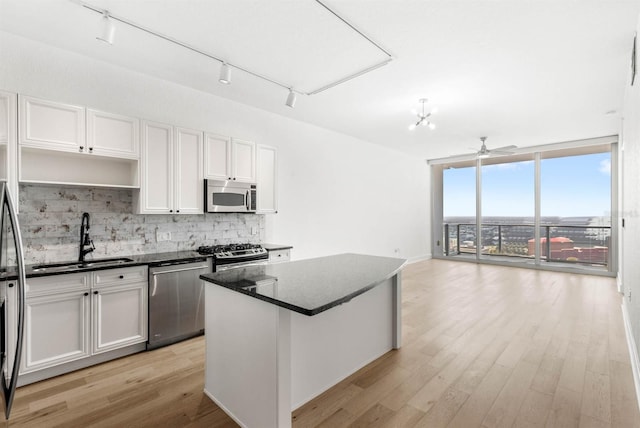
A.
pixel 263 361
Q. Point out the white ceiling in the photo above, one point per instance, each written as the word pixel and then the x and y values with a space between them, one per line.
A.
pixel 519 72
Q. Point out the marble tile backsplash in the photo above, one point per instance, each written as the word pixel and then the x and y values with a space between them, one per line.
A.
pixel 50 225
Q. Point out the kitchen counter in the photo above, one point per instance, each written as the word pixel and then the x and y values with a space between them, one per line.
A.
pixel 137 260
pixel 58 268
pixel 276 247
pixel 309 286
pixel 279 335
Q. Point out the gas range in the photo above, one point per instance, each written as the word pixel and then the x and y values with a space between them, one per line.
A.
pixel 235 254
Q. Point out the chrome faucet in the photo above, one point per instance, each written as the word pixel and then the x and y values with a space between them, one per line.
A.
pixel 86 243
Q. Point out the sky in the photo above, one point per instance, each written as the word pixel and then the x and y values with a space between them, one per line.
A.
pixel 577 186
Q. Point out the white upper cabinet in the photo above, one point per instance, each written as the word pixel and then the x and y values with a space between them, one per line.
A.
pixel 267 159
pixel 110 134
pixel 243 160
pixel 7 115
pixel 217 155
pixel 229 158
pixel 172 177
pixel 55 126
pixel 106 146
pixel 8 142
pixel 189 182
pixel 156 187
pixel 51 125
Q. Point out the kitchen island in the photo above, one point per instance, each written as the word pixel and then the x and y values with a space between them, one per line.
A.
pixel 279 335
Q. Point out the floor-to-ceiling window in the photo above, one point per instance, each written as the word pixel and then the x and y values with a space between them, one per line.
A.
pixel 508 207
pixel 459 206
pixel 488 209
pixel 575 207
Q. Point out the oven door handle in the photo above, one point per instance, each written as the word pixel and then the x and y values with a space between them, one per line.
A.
pixel 177 270
pixel 241 264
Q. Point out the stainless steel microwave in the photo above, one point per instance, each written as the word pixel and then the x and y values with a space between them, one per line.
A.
pixel 229 196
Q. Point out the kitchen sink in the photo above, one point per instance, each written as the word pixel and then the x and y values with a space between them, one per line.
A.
pixel 71 266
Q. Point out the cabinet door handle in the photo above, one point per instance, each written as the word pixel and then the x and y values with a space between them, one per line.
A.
pixel 10 284
pixel 86 294
pixel 95 292
pixel 81 149
pixel 177 211
pixel 121 276
pixel 170 211
pixel 90 149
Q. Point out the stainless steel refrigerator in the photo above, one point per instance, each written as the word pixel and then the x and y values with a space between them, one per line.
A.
pixel 12 295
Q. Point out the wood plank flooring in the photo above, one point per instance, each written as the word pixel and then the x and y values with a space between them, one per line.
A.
pixel 483 346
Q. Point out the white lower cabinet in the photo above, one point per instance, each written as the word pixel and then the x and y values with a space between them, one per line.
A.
pixel 78 316
pixel 56 330
pixel 118 316
pixel 279 256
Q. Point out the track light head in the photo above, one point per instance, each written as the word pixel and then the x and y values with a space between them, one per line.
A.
pixel 225 74
pixel 291 99
pixel 108 29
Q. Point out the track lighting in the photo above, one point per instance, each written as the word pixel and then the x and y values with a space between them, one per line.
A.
pixel 291 99
pixel 225 74
pixel 108 33
pixel 108 29
pixel 423 117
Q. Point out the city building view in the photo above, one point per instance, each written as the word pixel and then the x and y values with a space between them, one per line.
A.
pixel 582 240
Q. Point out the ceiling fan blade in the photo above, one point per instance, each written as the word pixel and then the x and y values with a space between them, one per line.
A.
pixel 463 157
pixel 505 148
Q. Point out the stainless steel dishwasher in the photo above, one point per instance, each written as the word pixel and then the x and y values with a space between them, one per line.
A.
pixel 176 301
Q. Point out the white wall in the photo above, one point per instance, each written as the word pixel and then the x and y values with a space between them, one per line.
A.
pixel 630 159
pixel 336 193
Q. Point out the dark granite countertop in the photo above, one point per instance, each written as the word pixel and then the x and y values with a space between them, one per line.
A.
pixel 276 247
pixel 309 286
pixel 136 260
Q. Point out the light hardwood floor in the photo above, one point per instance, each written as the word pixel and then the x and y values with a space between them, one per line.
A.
pixel 483 346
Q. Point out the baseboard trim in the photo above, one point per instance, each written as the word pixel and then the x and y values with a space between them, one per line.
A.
pixel 619 283
pixel 421 258
pixel 224 409
pixel 633 350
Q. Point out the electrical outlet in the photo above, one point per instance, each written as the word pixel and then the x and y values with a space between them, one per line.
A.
pixel 254 230
pixel 163 236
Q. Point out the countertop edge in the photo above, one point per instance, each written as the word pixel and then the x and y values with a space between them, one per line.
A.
pixel 305 311
pixel 276 247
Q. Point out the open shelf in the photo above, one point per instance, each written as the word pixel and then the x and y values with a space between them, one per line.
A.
pixel 54 167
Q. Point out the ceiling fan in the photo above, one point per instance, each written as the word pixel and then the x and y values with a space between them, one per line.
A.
pixel 484 153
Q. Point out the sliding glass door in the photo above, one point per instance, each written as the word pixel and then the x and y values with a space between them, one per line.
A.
pixel 508 207
pixel 575 208
pixel 459 206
